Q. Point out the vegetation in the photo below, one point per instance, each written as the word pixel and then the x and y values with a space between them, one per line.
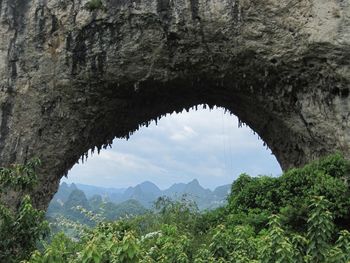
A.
pixel 20 230
pixel 301 216
pixel 94 5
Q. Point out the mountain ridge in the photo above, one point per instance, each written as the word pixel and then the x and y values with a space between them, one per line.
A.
pixel 147 192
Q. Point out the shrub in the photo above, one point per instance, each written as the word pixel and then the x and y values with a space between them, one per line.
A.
pixel 94 5
pixel 20 230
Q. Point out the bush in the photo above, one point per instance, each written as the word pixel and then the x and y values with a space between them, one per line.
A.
pixel 20 230
pixel 94 5
pixel 290 193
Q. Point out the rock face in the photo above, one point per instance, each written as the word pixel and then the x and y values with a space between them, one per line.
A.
pixel 74 75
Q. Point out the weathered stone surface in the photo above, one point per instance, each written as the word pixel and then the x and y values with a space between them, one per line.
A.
pixel 72 79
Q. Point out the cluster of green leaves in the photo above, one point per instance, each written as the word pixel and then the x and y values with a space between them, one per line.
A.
pixel 94 5
pixel 253 199
pixel 182 212
pixel 21 229
pixel 114 242
pixel 277 244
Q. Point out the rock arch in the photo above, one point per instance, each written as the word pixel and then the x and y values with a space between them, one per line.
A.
pixel 72 78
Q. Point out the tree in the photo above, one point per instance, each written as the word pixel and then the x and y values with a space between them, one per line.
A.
pixel 20 230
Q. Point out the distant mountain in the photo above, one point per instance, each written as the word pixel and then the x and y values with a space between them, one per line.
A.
pixel 91 190
pixel 96 204
pixel 76 198
pixel 222 191
pixel 114 203
pixel 175 189
pixel 68 209
pixel 146 193
pixel 64 191
pixel 196 189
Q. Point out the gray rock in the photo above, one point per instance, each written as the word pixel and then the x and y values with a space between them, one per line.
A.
pixel 72 79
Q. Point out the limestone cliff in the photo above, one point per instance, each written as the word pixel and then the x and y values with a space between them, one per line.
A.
pixel 72 77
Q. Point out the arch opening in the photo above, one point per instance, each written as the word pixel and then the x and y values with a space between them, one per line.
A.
pixel 197 152
pixel 117 111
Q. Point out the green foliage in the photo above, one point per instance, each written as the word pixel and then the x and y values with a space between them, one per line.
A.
pixel 94 5
pixel 341 251
pixel 276 246
pixel 320 229
pixel 20 230
pixel 182 212
pixel 59 250
pixel 167 246
pixel 119 242
pixel 19 177
pixel 128 208
pixel 290 193
pixel 293 218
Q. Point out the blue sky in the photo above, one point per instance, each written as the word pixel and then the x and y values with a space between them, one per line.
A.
pixel 203 144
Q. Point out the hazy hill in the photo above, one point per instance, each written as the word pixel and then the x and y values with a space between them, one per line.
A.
pixel 222 191
pixel 174 189
pixel 91 190
pixel 64 192
pixel 96 204
pixel 145 193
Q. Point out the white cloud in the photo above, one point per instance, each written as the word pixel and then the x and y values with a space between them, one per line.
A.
pixel 130 162
pixel 185 133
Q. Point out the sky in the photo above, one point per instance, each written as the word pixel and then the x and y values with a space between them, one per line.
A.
pixel 205 144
